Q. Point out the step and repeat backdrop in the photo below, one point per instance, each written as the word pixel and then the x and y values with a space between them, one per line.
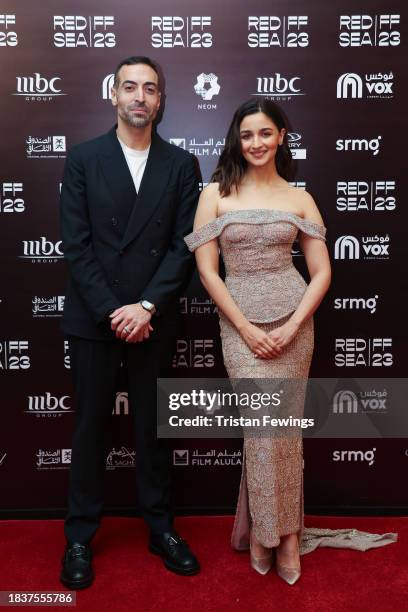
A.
pixel 339 73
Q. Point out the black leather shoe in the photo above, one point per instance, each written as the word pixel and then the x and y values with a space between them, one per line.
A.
pixel 174 551
pixel 77 570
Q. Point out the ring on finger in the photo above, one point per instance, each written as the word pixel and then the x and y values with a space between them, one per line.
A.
pixel 126 329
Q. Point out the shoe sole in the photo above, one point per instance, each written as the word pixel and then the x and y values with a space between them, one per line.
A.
pixel 76 586
pixel 170 566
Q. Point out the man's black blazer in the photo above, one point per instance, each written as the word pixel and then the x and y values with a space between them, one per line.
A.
pixel 121 246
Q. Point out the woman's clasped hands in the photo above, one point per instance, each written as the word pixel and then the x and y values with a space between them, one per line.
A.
pixel 268 345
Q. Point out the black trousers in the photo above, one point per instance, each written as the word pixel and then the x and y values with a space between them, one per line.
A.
pixel 95 367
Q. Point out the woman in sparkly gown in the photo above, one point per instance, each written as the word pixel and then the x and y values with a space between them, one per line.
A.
pixel 252 214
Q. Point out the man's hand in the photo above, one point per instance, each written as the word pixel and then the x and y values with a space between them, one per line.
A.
pixel 131 323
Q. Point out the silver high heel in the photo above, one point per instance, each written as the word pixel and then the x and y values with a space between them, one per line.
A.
pixel 288 574
pixel 260 564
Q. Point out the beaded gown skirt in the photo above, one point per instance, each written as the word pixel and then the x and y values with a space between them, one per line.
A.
pixel 271 491
pixel 256 245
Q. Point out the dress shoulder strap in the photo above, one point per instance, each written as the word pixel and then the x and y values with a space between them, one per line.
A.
pixel 203 234
pixel 314 230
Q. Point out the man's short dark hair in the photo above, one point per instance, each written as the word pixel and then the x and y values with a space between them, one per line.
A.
pixel 137 59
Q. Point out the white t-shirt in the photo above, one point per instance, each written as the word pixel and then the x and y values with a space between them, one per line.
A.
pixel 136 160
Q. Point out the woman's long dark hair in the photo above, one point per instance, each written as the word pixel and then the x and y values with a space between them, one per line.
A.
pixel 232 165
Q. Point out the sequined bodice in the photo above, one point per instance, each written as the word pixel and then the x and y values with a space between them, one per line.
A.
pixel 251 246
pixel 256 245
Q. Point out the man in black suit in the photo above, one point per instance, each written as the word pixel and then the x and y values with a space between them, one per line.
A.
pixel 127 200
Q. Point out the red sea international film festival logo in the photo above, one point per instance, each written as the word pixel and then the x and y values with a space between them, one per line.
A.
pixel 266 31
pixel 194 353
pixel 14 355
pixel 8 35
pixel 38 88
pixel 366 196
pixel 375 30
pixel 363 353
pixel 181 32
pixel 66 355
pixel 80 31
pixel 11 197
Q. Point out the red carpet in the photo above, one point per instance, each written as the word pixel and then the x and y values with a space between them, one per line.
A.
pixel 128 578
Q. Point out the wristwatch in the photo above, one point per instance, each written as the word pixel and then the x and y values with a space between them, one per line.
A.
pixel 148 306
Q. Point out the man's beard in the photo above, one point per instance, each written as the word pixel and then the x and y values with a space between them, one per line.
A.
pixel 138 121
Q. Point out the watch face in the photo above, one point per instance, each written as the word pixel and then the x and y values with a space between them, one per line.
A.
pixel 147 305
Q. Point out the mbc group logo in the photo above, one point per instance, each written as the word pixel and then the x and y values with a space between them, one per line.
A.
pixel 42 249
pixel 38 87
pixel 48 405
pixel 278 86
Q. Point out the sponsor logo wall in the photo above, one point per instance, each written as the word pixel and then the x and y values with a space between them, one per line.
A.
pixel 346 138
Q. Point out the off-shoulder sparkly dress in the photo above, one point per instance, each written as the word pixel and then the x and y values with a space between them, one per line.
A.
pixel 256 245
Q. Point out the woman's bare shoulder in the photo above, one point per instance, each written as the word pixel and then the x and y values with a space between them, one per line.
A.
pixel 208 205
pixel 211 190
pixel 308 205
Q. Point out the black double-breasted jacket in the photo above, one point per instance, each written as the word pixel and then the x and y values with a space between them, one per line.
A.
pixel 121 246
